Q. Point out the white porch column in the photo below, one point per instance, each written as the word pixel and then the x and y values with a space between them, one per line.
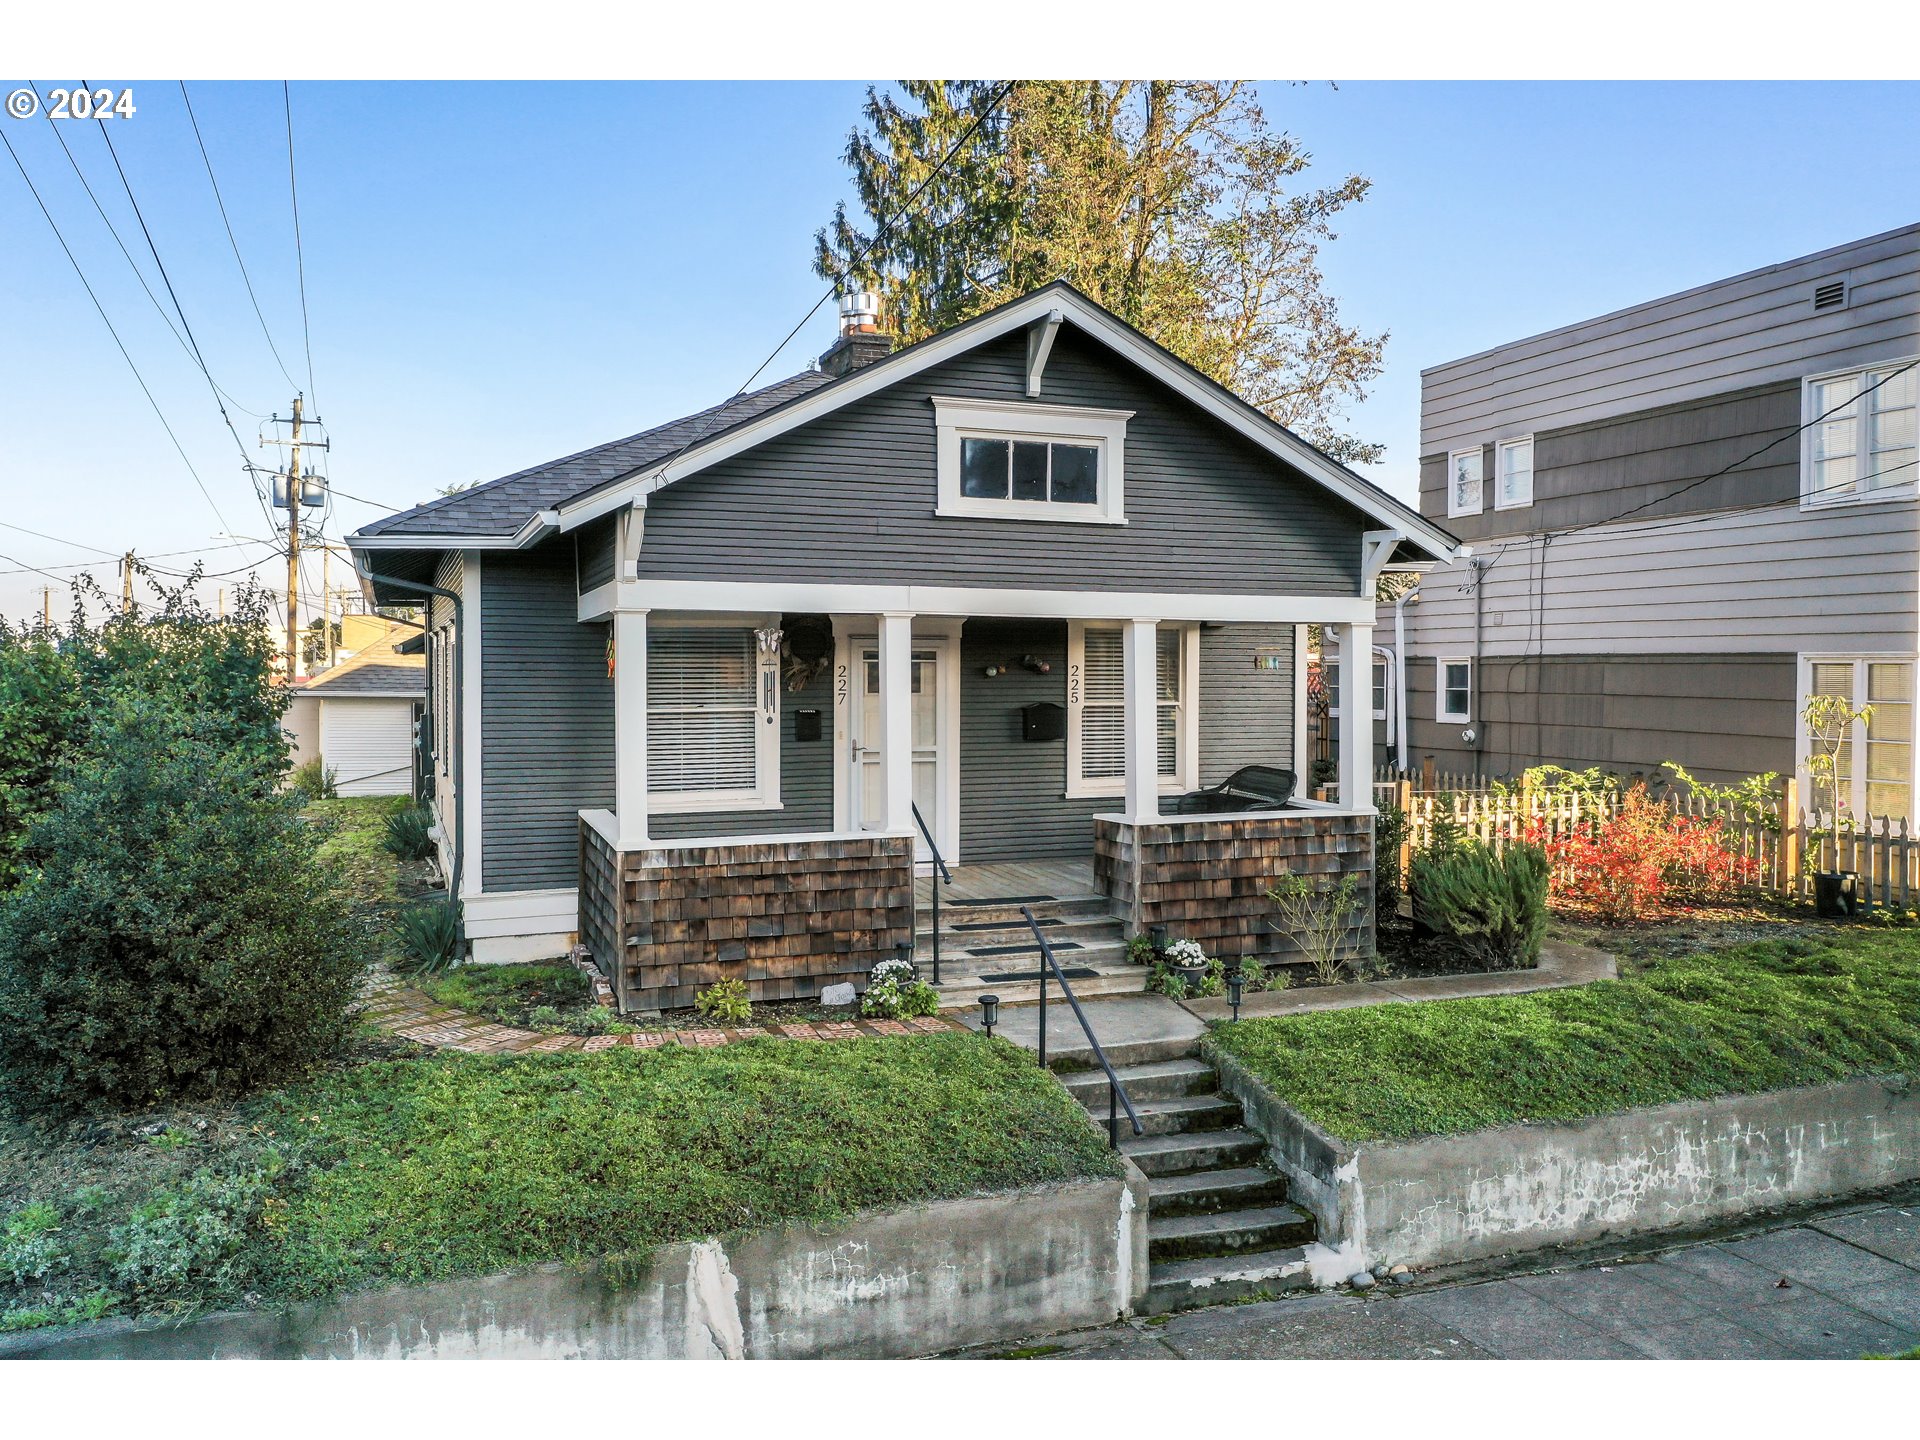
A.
pixel 1142 721
pixel 896 722
pixel 630 726
pixel 1356 716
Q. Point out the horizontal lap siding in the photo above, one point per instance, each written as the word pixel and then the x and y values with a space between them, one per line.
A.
pixel 593 554
pixel 1246 715
pixel 1723 717
pixel 850 499
pixel 1013 803
pixel 1754 329
pixel 806 777
pixel 546 721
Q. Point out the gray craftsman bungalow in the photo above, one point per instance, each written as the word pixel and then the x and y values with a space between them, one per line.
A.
pixel 703 698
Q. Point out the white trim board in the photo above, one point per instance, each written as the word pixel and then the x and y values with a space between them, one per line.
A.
pixel 1041 304
pixel 472 703
pixel 520 912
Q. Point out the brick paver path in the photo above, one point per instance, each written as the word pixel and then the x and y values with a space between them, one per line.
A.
pixel 403 1011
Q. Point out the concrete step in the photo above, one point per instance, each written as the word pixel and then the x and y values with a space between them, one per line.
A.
pixel 1210 1192
pixel 1156 1080
pixel 1184 1152
pixel 1189 1237
pixel 1083 931
pixel 961 989
pixel 1073 907
pixel 1216 1279
pixel 1094 952
pixel 1187 1114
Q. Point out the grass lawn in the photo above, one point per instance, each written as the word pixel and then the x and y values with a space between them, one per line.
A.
pixel 555 998
pixel 1692 1025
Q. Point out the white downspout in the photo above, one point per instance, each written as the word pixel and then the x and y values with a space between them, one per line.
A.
pixel 1408 597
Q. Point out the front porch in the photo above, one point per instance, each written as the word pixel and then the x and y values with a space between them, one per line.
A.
pixel 797 854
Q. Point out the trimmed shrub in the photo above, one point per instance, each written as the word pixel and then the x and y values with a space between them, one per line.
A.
pixel 725 1002
pixel 314 780
pixel 176 938
pixel 1492 904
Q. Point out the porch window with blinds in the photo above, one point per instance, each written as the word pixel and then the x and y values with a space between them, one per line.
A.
pixel 1873 769
pixel 703 714
pixel 1101 708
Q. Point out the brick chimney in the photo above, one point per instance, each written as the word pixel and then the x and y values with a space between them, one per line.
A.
pixel 861 341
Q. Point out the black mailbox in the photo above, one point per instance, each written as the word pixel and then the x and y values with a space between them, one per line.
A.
pixel 806 724
pixel 1043 720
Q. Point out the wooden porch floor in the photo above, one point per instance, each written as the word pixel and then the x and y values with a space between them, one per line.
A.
pixel 1014 879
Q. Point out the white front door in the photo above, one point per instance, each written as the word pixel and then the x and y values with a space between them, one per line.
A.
pixel 932 742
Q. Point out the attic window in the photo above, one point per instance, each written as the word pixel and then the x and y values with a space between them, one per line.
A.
pixel 1830 295
pixel 1030 462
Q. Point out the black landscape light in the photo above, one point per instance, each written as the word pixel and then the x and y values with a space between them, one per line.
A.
pixel 1234 981
pixel 903 952
pixel 1158 935
pixel 989 1013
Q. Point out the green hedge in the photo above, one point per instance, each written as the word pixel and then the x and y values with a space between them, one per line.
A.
pixel 1759 1017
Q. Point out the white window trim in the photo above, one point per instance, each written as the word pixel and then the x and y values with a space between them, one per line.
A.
pixel 1441 715
pixel 764 794
pixel 1105 430
pixel 1479 454
pixel 1499 453
pixel 1187 727
pixel 1809 496
pixel 1802 742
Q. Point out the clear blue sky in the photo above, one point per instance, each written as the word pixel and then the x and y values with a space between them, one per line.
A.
pixel 500 274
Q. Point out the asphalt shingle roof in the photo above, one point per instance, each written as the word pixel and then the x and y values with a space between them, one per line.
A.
pixel 500 507
pixel 390 678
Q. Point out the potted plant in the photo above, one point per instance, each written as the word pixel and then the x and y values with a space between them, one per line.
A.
pixel 1186 959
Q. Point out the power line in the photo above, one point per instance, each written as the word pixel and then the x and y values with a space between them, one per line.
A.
pixel 68 251
pixel 247 279
pixel 299 250
pixel 880 233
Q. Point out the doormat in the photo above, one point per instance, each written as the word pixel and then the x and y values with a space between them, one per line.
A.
pixel 1075 972
pixel 1005 900
pixel 1001 924
pixel 1021 949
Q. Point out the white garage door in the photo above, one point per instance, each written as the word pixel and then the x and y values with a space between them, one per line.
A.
pixel 368 745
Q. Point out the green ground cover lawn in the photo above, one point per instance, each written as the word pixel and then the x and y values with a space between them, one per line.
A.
pixel 1762 1016
pixel 555 998
pixel 392 1170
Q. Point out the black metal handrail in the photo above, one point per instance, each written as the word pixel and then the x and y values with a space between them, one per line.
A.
pixel 1116 1092
pixel 942 873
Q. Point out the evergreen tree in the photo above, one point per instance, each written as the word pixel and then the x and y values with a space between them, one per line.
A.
pixel 1172 203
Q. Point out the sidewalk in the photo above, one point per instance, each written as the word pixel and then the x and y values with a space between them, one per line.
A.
pixel 1840 1285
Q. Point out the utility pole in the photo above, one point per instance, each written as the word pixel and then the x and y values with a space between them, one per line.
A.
pixel 326 599
pixel 293 548
pixel 46 608
pixel 126 583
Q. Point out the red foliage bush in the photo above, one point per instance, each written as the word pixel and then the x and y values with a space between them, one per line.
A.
pixel 1638 863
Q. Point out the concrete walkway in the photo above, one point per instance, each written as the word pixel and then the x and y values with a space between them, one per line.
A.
pixel 1562 965
pixel 1840 1285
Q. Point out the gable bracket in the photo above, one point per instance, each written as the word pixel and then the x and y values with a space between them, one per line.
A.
pixel 1376 548
pixel 633 529
pixel 1040 345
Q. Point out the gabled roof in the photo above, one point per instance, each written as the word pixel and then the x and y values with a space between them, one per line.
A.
pixel 527 505
pixel 380 669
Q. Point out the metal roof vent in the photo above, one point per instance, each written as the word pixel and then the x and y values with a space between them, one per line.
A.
pixel 1830 295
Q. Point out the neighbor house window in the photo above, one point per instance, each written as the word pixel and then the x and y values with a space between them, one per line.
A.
pixel 1455 690
pixel 1866 444
pixel 1463 483
pixel 1513 468
pixel 1330 673
pixel 1873 770
pixel 1030 462
pixel 1097 712
pixel 711 742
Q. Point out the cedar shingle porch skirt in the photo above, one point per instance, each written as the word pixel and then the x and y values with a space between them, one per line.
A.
pixel 787 916
pixel 1206 877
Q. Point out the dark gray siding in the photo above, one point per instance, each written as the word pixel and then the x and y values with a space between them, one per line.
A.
pixel 1246 715
pixel 1013 803
pixel 1724 717
pixel 1593 472
pixel 546 721
pixel 850 499
pixel 593 545
pixel 806 777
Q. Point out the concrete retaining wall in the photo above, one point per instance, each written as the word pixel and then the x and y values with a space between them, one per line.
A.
pixel 888 1284
pixel 1504 1191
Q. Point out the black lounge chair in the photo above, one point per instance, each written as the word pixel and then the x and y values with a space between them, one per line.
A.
pixel 1252 787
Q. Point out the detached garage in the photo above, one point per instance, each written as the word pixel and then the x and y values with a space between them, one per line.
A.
pixel 360 718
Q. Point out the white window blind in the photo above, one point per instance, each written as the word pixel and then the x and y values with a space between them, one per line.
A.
pixel 701 710
pixel 1103 715
pixel 1884 786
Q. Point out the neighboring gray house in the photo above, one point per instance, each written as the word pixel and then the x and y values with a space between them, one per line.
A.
pixel 1626 604
pixel 694 692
